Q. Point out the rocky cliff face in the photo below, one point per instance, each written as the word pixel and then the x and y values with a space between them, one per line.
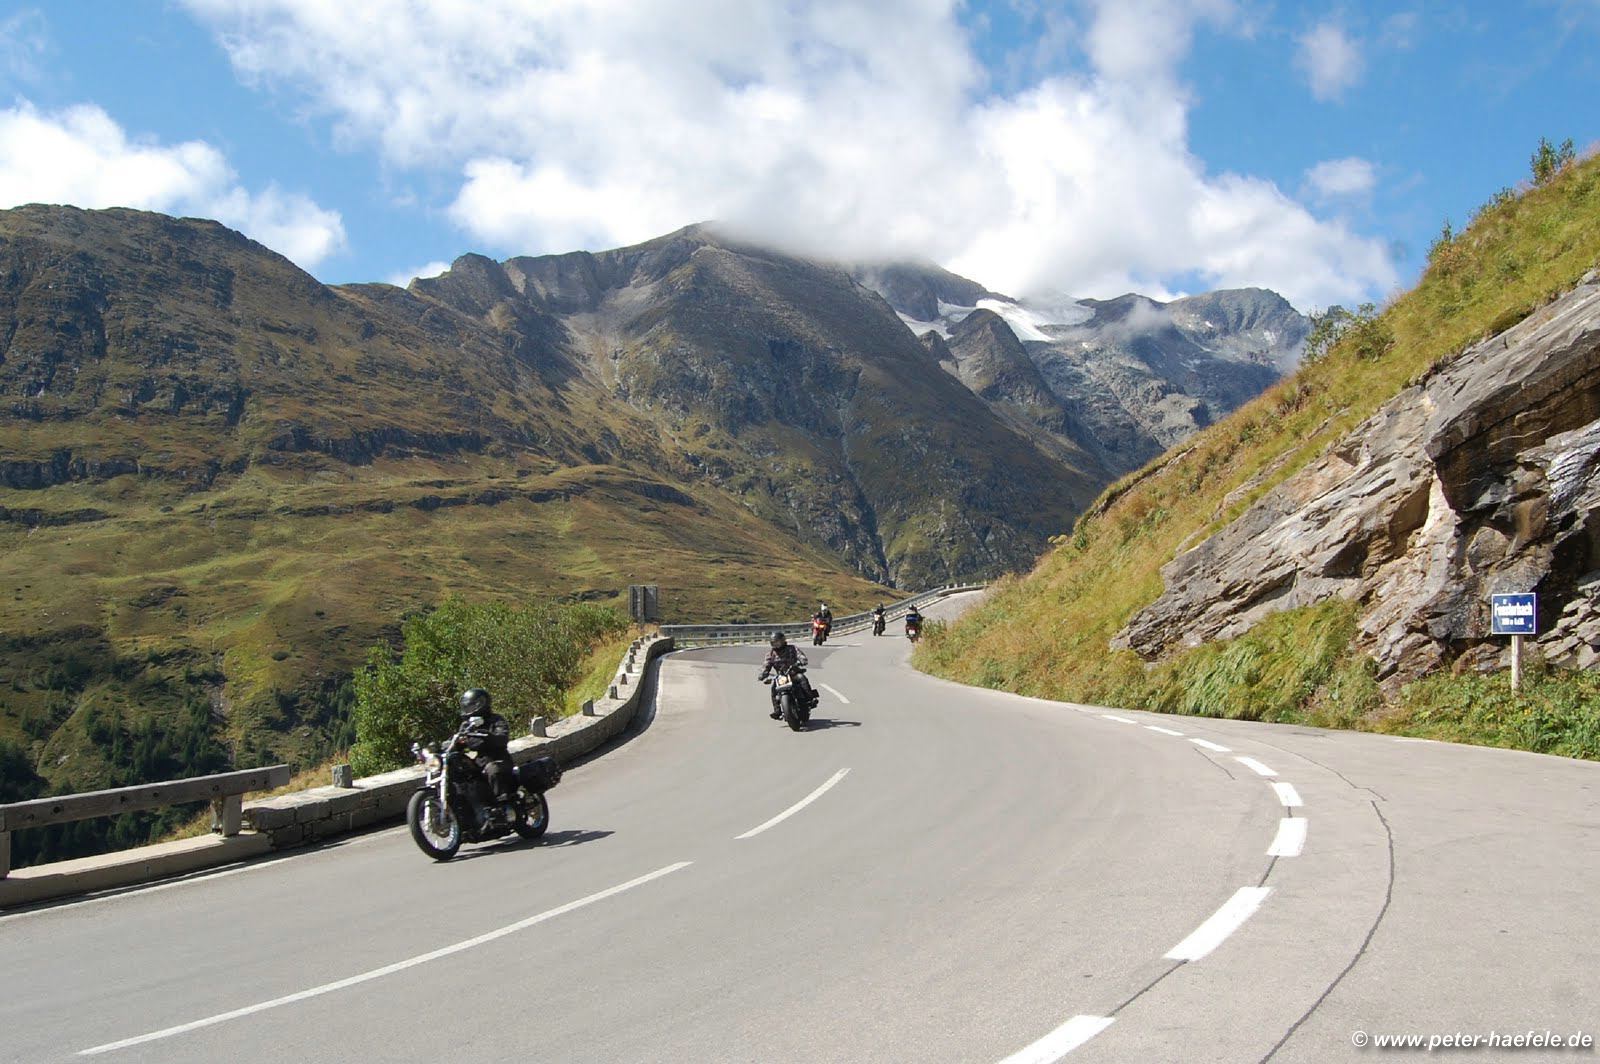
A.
pixel 1483 478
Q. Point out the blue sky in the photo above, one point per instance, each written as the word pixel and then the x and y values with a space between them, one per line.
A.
pixel 1163 146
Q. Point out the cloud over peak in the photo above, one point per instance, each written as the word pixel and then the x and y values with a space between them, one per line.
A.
pixel 835 129
pixel 81 156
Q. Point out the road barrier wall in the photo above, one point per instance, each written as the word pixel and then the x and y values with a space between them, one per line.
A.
pixel 303 817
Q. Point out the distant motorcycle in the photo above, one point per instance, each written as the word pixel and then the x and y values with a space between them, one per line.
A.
pixel 913 628
pixel 819 631
pixel 878 624
pixel 792 696
pixel 455 804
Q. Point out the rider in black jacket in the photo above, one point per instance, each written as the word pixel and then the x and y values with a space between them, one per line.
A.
pixel 484 730
pixel 784 656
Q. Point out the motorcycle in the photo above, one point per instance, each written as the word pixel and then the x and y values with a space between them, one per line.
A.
pixel 878 624
pixel 819 631
pixel 454 803
pixel 913 628
pixel 792 697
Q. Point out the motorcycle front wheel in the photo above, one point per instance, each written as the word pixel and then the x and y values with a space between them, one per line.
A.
pixel 535 818
pixel 434 828
pixel 791 713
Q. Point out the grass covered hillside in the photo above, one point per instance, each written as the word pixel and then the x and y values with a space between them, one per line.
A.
pixel 221 482
pixel 1048 633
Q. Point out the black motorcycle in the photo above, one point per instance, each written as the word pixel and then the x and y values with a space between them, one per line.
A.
pixel 792 696
pixel 455 803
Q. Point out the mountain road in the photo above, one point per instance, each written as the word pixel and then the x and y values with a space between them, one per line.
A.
pixel 929 873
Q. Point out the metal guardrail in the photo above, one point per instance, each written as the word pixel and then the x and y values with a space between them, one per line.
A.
pixel 224 790
pixel 699 635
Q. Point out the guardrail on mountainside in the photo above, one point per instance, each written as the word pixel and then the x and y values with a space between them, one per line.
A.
pixel 306 816
pixel 322 812
pixel 688 635
pixel 224 790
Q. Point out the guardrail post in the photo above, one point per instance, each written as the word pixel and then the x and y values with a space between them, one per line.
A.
pixel 343 776
pixel 5 854
pixel 588 707
pixel 613 690
pixel 536 728
pixel 226 814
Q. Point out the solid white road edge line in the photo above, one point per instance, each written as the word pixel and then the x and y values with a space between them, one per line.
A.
pixel 1287 794
pixel 1163 731
pixel 796 807
pixel 1224 922
pixel 1209 745
pixel 834 693
pixel 388 969
pixel 1119 720
pixel 1255 766
pixel 1061 1041
pixel 1291 837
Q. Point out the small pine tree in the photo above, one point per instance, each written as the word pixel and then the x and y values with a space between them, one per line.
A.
pixel 1549 160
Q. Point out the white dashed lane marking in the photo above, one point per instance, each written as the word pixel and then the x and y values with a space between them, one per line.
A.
pixel 1061 1041
pixel 1255 766
pixel 1291 837
pixel 1224 922
pixel 796 807
pixel 388 969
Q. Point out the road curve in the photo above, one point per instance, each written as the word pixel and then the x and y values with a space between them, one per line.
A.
pixel 932 873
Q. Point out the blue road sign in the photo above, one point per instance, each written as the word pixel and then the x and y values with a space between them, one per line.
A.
pixel 1514 614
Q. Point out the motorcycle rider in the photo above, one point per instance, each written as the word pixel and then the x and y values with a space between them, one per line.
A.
pixel 825 614
pixel 913 619
pixel 484 730
pixel 785 656
pixel 878 620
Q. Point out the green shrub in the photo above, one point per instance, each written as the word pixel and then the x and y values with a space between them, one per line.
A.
pixel 1556 712
pixel 525 657
pixel 1549 160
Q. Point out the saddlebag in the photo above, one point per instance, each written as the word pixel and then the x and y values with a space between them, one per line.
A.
pixel 540 774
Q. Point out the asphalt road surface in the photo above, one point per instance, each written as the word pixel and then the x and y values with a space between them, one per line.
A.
pixel 930 873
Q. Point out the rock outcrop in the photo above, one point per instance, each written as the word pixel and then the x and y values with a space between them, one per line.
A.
pixel 1482 478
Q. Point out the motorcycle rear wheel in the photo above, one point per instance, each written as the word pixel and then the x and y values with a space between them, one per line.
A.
pixel 434 829
pixel 791 712
pixel 535 818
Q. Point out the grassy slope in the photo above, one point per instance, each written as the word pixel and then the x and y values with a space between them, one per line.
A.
pixel 1046 634
pixel 248 597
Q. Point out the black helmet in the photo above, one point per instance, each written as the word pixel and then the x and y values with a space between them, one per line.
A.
pixel 474 702
pixel 778 641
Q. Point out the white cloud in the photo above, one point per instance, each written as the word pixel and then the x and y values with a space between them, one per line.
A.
pixel 405 277
pixel 1349 178
pixel 829 127
pixel 1330 60
pixel 81 156
pixel 23 45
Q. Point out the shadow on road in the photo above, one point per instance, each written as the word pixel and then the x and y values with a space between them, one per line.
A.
pixel 818 723
pixel 553 838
